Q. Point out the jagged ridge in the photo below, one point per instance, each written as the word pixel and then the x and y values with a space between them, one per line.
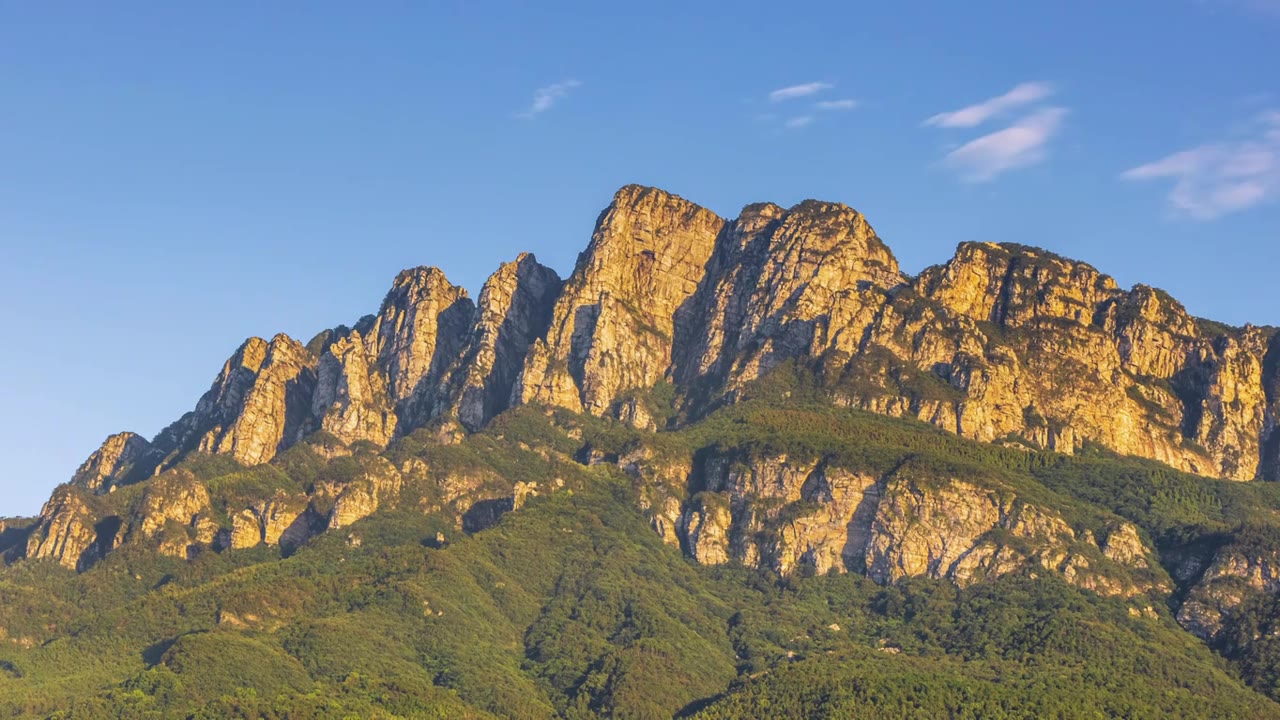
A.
pixel 1003 343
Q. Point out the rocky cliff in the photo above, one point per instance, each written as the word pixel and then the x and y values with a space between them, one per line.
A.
pixel 782 284
pixel 768 390
pixel 612 327
pixel 1030 347
pixel 1002 343
pixel 791 515
pixel 671 314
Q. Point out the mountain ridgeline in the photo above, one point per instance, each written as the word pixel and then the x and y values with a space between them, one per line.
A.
pixel 760 472
pixel 1002 343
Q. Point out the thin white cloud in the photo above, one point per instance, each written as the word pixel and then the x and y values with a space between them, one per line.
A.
pixel 545 97
pixel 1269 7
pixel 798 91
pixel 974 115
pixel 836 104
pixel 1261 7
pixel 1020 145
pixel 796 123
pixel 1219 178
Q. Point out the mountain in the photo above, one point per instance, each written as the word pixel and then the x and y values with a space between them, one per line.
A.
pixel 1013 489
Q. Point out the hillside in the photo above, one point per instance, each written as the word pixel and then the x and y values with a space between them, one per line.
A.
pixel 727 468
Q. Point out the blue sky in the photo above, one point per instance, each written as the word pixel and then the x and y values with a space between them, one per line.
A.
pixel 175 177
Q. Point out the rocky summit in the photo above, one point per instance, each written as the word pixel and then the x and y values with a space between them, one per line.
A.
pixel 1003 344
pixel 769 394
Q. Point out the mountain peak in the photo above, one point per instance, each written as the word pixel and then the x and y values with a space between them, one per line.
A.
pixel 668 290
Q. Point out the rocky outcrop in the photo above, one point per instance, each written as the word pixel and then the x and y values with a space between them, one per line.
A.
pixel 419 331
pixel 266 522
pixel 1233 575
pixel 612 327
pixel 1007 342
pixel 274 411
pixel 388 375
pixel 173 511
pixel 259 404
pixel 514 310
pixel 785 514
pixel 351 400
pixel 661 484
pixel 967 533
pixel 782 284
pixel 111 463
pixel 1002 343
pixel 706 526
pixel 378 483
pixel 65 531
pixel 175 496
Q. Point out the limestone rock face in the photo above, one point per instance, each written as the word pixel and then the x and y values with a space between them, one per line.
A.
pixel 612 327
pixel 111 462
pixel 957 531
pixel 1007 341
pixel 1124 545
pixel 259 405
pixel 782 514
pixel 783 284
pixel 173 497
pixel 65 530
pixel 1232 576
pixel 1002 343
pixel 351 399
pixel 266 521
pixel 246 530
pixel 662 484
pixel 378 484
pixel 514 310
pixel 275 413
pixel 1013 286
pixel 706 527
pixel 419 331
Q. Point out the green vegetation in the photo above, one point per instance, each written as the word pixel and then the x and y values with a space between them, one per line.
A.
pixel 573 607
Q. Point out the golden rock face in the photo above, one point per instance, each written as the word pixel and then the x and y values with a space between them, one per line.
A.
pixel 612 326
pixel 65 530
pixel 892 526
pixel 1001 343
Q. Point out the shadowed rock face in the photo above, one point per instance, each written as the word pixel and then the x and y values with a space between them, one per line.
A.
pixel 113 461
pixel 1002 343
pixel 418 332
pixel 514 310
pixel 259 405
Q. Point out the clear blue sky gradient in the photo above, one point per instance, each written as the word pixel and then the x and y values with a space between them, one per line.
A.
pixel 175 177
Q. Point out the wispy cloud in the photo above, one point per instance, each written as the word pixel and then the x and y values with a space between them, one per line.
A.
pixel 1219 178
pixel 545 97
pixel 974 115
pixel 798 91
pixel 1269 7
pixel 836 104
pixel 1261 7
pixel 1022 144
pixel 798 122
